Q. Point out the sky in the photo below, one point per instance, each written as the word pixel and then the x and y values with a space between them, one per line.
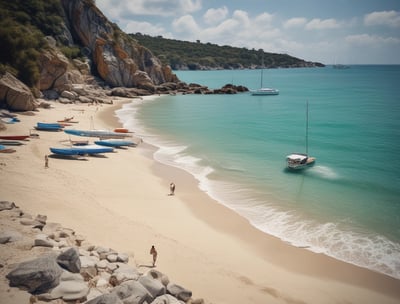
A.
pixel 326 31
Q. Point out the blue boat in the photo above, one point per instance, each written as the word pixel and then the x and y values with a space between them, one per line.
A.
pixel 97 133
pixel 81 150
pixel 44 126
pixel 115 143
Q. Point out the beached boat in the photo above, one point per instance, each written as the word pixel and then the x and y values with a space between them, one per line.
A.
pixel 10 143
pixel 14 137
pixel 300 161
pixel 68 120
pixel 4 149
pixel 81 150
pixel 122 130
pixel 44 126
pixel 97 133
pixel 10 120
pixel 115 143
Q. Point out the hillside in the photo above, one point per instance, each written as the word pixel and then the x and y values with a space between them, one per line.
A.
pixel 202 56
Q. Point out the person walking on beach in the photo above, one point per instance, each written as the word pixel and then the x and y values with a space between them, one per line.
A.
pixel 46 161
pixel 171 189
pixel 153 251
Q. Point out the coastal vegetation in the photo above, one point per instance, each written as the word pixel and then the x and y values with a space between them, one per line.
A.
pixel 203 56
pixel 23 27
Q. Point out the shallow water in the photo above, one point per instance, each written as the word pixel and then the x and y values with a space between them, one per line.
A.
pixel 346 206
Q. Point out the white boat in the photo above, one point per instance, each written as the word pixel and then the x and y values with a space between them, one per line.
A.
pixel 264 91
pixel 97 133
pixel 300 161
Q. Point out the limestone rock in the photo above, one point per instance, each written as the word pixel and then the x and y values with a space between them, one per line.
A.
pixel 6 205
pixel 36 276
pixel 153 286
pixel 106 299
pixel 118 59
pixel 166 299
pixel 52 66
pixel 43 240
pixel 9 236
pixel 14 95
pixel 69 260
pixel 179 292
pixel 71 287
pixel 132 292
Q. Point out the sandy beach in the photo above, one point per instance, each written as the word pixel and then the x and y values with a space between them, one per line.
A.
pixel 120 200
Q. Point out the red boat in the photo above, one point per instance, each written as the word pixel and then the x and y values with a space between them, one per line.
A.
pixel 122 130
pixel 14 137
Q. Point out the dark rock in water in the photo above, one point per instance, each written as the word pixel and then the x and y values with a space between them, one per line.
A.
pixel 36 276
pixel 69 260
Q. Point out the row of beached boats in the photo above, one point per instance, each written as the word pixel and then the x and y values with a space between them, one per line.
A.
pixel 106 140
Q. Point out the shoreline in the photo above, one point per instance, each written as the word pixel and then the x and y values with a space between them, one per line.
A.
pixel 203 245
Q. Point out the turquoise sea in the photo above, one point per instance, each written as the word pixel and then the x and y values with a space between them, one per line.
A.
pixel 346 206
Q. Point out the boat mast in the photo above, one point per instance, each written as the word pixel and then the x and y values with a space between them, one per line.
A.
pixel 307 129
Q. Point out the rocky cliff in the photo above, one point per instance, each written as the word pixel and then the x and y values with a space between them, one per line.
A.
pixel 117 58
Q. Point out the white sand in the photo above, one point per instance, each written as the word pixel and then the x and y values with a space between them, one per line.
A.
pixel 121 201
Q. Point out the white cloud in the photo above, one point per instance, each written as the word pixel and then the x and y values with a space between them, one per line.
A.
pixel 318 24
pixel 215 15
pixel 371 40
pixel 147 28
pixel 125 9
pixel 295 23
pixel 185 24
pixel 387 18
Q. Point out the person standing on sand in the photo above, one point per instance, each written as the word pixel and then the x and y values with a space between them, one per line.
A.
pixel 153 251
pixel 46 161
pixel 171 189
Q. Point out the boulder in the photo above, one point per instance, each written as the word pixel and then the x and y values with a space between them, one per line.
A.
pixel 36 276
pixel 15 95
pixel 43 240
pixel 166 299
pixel 153 286
pixel 71 287
pixel 6 205
pixel 53 65
pixel 69 260
pixel 132 292
pixel 9 236
pixel 179 292
pixel 105 299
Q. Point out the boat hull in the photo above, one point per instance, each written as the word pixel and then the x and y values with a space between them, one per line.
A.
pixel 81 150
pixel 97 133
pixel 265 92
pixel 114 143
pixel 299 161
pixel 14 137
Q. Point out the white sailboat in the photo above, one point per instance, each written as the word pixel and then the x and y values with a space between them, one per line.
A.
pixel 262 90
pixel 300 161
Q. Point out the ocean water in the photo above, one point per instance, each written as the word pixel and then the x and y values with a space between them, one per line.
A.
pixel 347 206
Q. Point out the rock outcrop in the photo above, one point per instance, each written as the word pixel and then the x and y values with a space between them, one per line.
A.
pixel 74 271
pixel 117 58
pixel 14 95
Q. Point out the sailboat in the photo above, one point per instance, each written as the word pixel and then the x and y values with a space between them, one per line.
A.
pixel 264 91
pixel 300 161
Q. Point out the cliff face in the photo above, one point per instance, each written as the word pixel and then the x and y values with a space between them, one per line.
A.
pixel 118 59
